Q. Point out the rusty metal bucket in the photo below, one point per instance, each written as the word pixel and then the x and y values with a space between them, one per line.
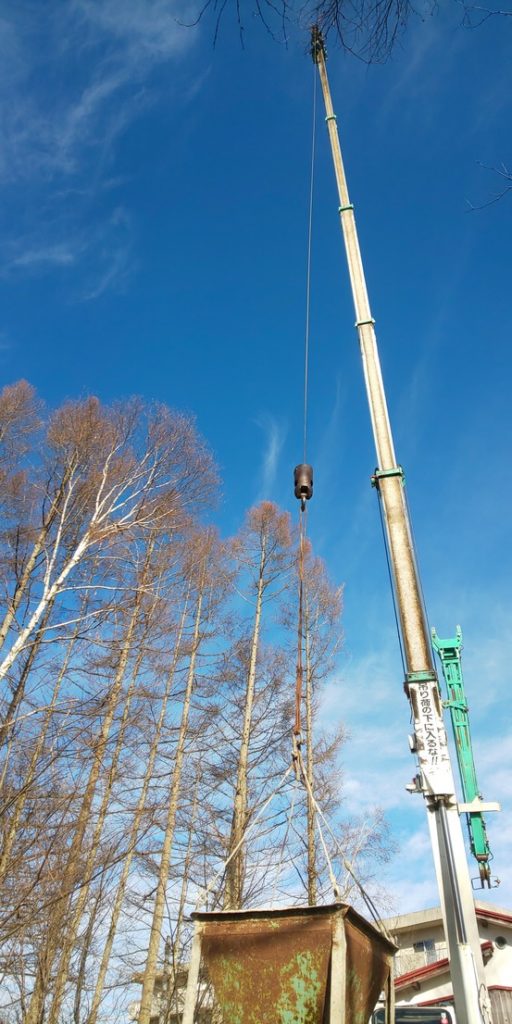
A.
pixel 314 965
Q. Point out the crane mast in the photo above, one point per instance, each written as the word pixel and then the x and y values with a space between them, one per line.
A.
pixel 434 779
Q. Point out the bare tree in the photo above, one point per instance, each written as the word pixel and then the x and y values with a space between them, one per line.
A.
pixel 62 931
pixel 136 823
pixel 204 566
pixel 322 641
pixel 108 485
pixel 147 707
pixel 367 29
pixel 119 471
pixel 504 176
pixel 263 551
pixel 68 933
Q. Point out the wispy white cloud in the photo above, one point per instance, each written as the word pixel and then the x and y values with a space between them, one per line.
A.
pixel 83 56
pixel 147 29
pixel 103 252
pixel 74 76
pixel 332 439
pixel 5 344
pixel 412 880
pixel 118 268
pixel 422 74
pixel 274 431
pixel 60 254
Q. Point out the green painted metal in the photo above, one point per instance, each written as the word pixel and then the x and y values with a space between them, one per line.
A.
pixel 301 986
pixel 421 677
pixel 296 965
pixel 266 968
pixel 449 651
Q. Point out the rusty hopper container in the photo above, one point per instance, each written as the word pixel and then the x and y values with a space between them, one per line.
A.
pixel 314 965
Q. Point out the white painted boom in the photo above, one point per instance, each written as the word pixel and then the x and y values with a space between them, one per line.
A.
pixel 429 744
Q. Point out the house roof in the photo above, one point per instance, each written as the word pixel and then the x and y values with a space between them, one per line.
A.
pixel 484 911
pixel 494 913
pixel 449 998
pixel 431 970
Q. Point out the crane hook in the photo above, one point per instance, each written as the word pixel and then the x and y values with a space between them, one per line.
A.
pixel 303 483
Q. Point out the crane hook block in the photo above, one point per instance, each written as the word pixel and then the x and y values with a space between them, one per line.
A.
pixel 303 482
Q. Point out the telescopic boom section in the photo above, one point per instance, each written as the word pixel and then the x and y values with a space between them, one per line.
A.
pixel 429 743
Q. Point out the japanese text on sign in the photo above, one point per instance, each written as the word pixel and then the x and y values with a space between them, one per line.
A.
pixel 429 724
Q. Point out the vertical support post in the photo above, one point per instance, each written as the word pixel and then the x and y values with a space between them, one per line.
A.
pixel 193 976
pixel 338 973
pixel 390 995
pixel 435 779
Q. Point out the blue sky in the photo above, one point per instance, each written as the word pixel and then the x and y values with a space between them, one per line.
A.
pixel 153 240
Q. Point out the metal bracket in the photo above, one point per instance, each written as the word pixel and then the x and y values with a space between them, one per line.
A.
pixel 479 806
pixel 341 209
pixel 382 474
pixel 459 705
pixel 421 677
pixel 447 648
pixel 415 785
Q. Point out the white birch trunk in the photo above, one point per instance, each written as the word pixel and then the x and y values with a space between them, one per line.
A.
pixel 165 860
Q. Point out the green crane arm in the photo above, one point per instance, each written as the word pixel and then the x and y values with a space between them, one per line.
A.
pixel 449 651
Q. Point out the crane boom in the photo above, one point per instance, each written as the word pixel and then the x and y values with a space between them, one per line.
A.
pixel 429 742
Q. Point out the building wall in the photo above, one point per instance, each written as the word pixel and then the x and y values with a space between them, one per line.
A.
pixel 501 1006
pixel 409 931
pixel 498 969
pixel 410 958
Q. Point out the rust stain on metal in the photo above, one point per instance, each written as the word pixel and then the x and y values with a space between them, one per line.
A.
pixel 368 963
pixel 301 985
pixel 273 967
pixel 268 968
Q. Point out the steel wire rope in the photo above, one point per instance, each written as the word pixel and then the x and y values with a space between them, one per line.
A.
pixel 302 511
pixel 308 266
pixel 346 863
pixel 297 728
pixel 204 891
pixel 279 868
